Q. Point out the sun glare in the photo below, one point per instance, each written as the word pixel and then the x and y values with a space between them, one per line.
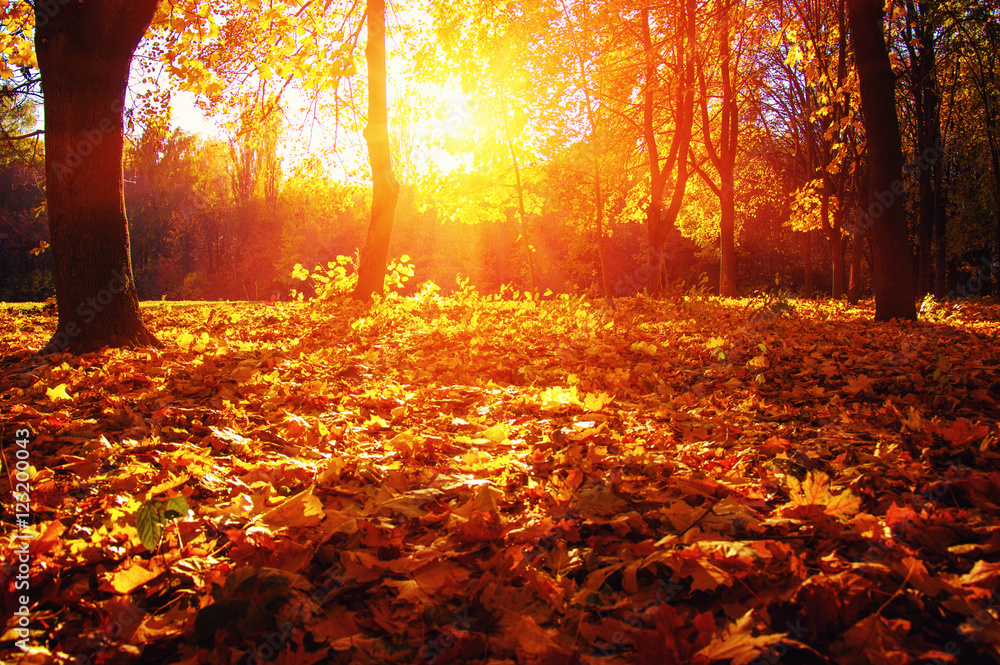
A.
pixel 186 115
pixel 441 123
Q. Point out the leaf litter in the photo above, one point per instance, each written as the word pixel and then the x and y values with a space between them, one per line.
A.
pixel 469 479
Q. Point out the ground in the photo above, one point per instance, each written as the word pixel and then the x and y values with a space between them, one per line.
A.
pixel 470 480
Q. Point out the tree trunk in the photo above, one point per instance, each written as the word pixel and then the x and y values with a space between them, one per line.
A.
pixel 857 284
pixel 524 219
pixel 385 188
pixel 994 143
pixel 727 162
pixel 84 52
pixel 940 236
pixel 807 265
pixel 834 242
pixel 858 236
pixel 599 219
pixel 893 283
pixel 837 259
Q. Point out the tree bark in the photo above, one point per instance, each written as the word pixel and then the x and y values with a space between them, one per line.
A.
pixel 385 188
pixel 834 241
pixel 723 154
pixel 857 284
pixel 609 297
pixel 524 219
pixel 837 259
pixel 893 282
pixel 84 52
pixel 940 235
pixel 807 265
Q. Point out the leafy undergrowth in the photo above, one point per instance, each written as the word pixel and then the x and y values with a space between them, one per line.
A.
pixel 478 481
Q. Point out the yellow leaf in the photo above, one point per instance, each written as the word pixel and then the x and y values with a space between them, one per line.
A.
pixel 185 340
pixel 715 342
pixel 131 575
pixel 596 401
pixel 58 393
pixel 302 510
pixel 403 443
pixel 644 347
pixel 496 434
pixel 814 491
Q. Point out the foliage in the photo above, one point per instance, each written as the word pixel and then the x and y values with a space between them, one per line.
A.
pixel 339 277
pixel 153 516
pixel 766 306
pixel 476 477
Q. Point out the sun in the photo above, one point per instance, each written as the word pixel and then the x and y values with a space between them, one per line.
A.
pixel 436 120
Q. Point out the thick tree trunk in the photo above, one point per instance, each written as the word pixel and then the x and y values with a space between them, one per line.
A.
pixel 385 188
pixel 893 283
pixel 84 52
pixel 994 143
pixel 727 230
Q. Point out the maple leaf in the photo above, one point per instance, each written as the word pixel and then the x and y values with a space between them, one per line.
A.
pixel 58 393
pixel 301 510
pixel 596 402
pixel 644 347
pixel 738 644
pixel 814 493
pixel 857 384
pixel 503 495
pixel 132 575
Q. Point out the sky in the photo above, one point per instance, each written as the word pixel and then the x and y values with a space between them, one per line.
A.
pixel 428 131
pixel 187 116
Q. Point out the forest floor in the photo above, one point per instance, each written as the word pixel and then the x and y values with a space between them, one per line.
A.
pixel 465 480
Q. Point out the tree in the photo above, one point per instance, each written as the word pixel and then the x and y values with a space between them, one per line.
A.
pixel 980 29
pixel 660 223
pixel 84 52
pixel 736 31
pixel 821 92
pixel 892 275
pixel 385 188
pixel 921 38
pixel 723 153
